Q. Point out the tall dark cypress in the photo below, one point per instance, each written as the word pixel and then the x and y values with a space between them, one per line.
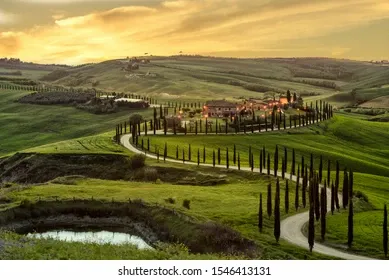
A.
pixel 321 169
pixel 268 164
pixel 302 165
pixel 238 161
pixel 204 155
pixel 213 158
pixel 277 214
pixel 148 144
pixel 269 202
pixel 218 156
pixel 198 156
pixel 185 130
pixel 296 199
pixel 283 168
pixel 328 172
pixel 287 196
pixel 311 227
pixel 264 156
pixel 350 235
pixel 337 204
pixel 177 152
pixel 385 232
pixel 189 153
pixel 276 161
pixel 293 171
pixel 323 203
pixel 332 198
pixel 350 184
pixel 345 190
pixel 260 214
pixel 317 197
pixel 304 189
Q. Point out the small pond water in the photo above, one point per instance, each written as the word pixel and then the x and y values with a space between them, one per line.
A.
pixel 100 237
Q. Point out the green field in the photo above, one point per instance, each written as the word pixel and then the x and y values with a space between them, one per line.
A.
pixel 25 125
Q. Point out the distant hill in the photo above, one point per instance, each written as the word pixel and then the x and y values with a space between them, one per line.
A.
pixel 341 81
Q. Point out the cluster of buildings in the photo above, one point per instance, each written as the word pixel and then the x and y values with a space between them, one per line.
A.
pixel 224 108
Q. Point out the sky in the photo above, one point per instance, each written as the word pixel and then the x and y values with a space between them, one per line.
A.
pixel 83 31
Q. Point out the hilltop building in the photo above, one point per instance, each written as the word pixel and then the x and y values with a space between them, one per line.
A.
pixel 219 108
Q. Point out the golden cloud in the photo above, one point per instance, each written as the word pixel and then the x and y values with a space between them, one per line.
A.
pixel 201 26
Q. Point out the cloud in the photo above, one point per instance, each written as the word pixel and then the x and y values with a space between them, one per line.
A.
pixel 198 26
pixel 9 43
pixel 6 18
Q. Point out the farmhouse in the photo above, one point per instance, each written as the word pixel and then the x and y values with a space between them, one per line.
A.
pixel 219 108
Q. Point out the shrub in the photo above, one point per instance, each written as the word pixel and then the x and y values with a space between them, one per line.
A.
pixel 136 118
pixel 170 200
pixel 158 181
pixel 186 203
pixel 137 161
pixel 361 196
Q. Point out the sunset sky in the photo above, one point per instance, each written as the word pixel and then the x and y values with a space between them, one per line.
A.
pixel 80 31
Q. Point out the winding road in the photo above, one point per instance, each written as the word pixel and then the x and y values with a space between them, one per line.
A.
pixel 291 227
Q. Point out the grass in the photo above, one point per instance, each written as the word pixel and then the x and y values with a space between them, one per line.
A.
pixel 355 143
pixel 26 126
pixel 234 204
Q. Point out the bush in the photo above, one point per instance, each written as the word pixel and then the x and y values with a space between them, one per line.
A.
pixel 158 181
pixel 137 161
pixel 362 196
pixel 136 118
pixel 186 203
pixel 170 200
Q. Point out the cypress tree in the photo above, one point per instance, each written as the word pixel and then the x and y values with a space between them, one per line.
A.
pixel 164 126
pixel 350 224
pixel 321 169
pixel 329 172
pixel 311 167
pixel 311 227
pixel 204 155
pixel 286 159
pixel 148 144
pixel 206 126
pixel 283 168
pixel 238 161
pixel 317 198
pixel 142 144
pixel 268 164
pixel 218 156
pixel 304 188
pixel 385 232
pixel 213 158
pixel 234 157
pixel 260 214
pixel 332 198
pixel 177 152
pixel 345 190
pixel 185 131
pixel 276 161
pixel 277 214
pixel 189 153
pixel 323 203
pixel 183 155
pixel 269 202
pixel 227 159
pixel 264 156
pixel 196 127
pixel 293 171
pixel 287 196
pixel 198 156
pixel 296 200
pixel 337 186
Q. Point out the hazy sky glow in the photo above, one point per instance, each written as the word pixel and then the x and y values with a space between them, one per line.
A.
pixel 79 31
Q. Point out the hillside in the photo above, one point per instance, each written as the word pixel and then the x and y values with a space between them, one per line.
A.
pixel 191 78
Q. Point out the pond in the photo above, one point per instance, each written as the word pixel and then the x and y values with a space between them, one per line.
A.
pixel 100 237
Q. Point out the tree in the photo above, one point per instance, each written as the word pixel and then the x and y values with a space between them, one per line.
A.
pixel 198 157
pixel 350 224
pixel 288 96
pixel 323 203
pixel 350 184
pixel 311 227
pixel 213 158
pixel 260 214
pixel 293 171
pixel 317 198
pixel 296 200
pixel 385 232
pixel 238 161
pixel 204 155
pixel 345 190
pixel 277 214
pixel 268 164
pixel 287 196
pixel 269 202
pixel 332 198
pixel 304 188
pixel 189 153
pixel 337 186
pixel 227 159
pixel 218 156
pixel 294 97
pixel 136 118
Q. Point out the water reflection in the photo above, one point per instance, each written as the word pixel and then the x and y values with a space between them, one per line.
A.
pixel 100 237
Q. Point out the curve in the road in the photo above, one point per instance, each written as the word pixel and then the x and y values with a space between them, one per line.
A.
pixel 291 227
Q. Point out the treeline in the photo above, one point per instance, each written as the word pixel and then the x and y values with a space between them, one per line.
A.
pixel 18 81
pixel 15 73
